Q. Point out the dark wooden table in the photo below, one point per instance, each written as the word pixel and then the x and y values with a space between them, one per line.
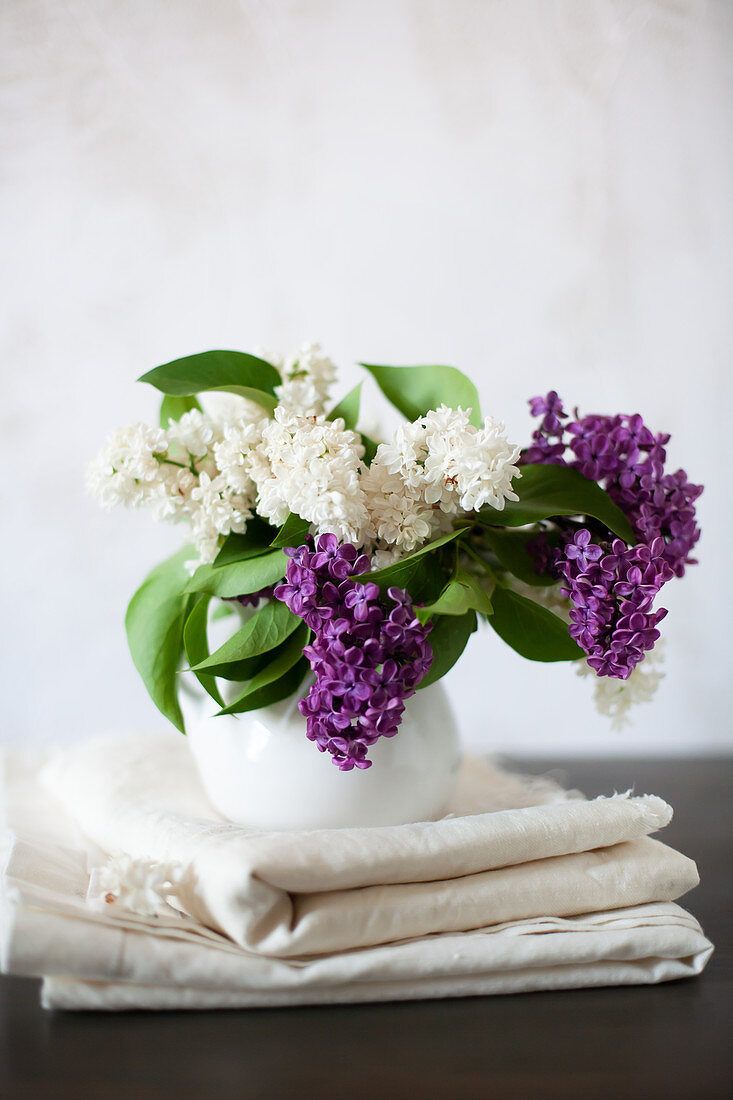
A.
pixel 654 1041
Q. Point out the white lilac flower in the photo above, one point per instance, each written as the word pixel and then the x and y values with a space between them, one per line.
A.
pixel 174 472
pixel 307 378
pixel 195 433
pixel 398 517
pixel 216 509
pixel 614 698
pixel 125 470
pixel 170 496
pixel 467 465
pixel 299 395
pixel 432 469
pixel 139 886
pixel 382 558
pixel 310 466
pixel 213 472
pixel 406 453
pixel 232 452
pixel 112 484
pixel 272 502
pixel 229 408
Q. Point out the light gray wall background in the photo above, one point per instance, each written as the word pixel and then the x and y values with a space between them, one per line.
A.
pixel 538 192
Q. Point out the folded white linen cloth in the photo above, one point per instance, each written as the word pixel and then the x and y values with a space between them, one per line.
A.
pixel 556 892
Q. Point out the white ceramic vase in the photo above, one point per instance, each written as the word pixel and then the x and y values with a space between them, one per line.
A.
pixel 260 770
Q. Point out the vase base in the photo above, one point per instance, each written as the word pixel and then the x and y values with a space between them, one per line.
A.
pixel 259 769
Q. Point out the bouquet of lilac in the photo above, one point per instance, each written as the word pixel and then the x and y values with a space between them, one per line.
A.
pixel 360 568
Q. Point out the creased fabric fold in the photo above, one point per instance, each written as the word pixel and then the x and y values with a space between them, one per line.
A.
pixel 348 888
pixel 520 887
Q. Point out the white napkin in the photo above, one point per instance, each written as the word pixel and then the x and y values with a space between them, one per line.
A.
pixel 552 895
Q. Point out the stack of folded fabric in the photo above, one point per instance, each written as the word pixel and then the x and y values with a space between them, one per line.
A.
pixel 125 889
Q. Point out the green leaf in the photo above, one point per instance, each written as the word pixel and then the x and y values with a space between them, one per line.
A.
pixel 431 576
pixel 222 611
pixel 510 548
pixel 546 491
pixel 282 661
pixel 272 693
pixel 417 390
pixel 239 671
pixel 531 630
pixel 173 408
pixel 348 408
pixel 404 570
pixel 370 449
pixel 233 371
pixel 154 625
pixel 240 578
pixel 463 593
pixel 256 540
pixel 448 640
pixel 268 628
pixel 293 532
pixel 196 645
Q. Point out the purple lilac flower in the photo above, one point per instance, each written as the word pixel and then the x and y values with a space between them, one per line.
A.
pixel 544 555
pixel 550 409
pixel 627 459
pixel 368 657
pixel 253 598
pixel 611 586
pixel 612 590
